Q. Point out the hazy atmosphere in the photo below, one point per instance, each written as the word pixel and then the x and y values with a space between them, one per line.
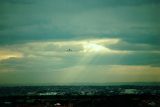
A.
pixel 79 41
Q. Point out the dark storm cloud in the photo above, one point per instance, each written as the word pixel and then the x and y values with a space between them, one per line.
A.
pixel 56 19
pixel 142 39
pixel 88 2
pixel 136 59
pixel 140 46
pixel 17 1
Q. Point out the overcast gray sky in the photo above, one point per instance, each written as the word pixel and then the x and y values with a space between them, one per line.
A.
pixel 111 41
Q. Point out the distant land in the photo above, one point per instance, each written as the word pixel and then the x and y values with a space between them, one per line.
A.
pixel 88 84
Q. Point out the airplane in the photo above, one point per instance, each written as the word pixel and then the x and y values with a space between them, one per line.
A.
pixel 69 50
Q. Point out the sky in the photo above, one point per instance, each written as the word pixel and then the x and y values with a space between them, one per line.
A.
pixel 109 41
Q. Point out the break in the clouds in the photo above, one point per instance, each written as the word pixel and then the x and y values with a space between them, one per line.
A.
pixel 72 41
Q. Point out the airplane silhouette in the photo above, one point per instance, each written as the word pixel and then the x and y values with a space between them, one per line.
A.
pixel 69 50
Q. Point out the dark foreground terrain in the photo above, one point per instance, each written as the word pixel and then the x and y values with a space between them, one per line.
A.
pixel 81 101
pixel 80 96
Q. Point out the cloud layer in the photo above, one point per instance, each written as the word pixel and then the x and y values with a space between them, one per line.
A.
pixel 107 38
